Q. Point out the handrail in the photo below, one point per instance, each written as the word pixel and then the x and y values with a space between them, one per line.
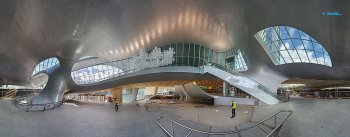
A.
pixel 222 133
pixel 274 132
pixel 260 86
pixel 90 78
pixel 46 106
pixel 19 98
pixel 27 106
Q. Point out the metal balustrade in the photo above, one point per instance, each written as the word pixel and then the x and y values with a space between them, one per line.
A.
pixel 258 85
pixel 37 107
pixel 29 106
pixel 275 128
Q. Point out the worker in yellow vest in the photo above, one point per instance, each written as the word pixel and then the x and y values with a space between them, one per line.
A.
pixel 233 106
pixel 116 107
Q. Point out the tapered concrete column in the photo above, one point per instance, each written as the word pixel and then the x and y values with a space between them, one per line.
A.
pixel 54 89
pixel 58 77
pixel 155 91
pixel 117 93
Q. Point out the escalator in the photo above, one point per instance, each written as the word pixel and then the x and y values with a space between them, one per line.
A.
pixel 242 82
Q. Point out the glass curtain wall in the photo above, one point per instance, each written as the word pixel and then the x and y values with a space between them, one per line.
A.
pixel 234 60
pixel 140 94
pixel 191 54
pixel 126 95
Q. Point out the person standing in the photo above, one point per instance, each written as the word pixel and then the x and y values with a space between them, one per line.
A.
pixel 233 106
pixel 116 107
pixel 147 105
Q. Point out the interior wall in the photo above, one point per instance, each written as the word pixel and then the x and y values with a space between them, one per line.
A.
pixel 150 90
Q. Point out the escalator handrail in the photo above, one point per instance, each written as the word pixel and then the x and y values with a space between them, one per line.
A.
pixel 265 89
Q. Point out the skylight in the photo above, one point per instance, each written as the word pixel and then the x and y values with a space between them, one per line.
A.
pixel 46 64
pixel 95 74
pixel 289 45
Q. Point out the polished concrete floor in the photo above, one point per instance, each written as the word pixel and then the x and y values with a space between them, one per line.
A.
pixel 100 119
pixel 312 117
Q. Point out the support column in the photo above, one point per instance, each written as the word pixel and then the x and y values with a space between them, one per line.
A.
pixel 55 87
pixel 225 89
pixel 155 91
pixel 117 93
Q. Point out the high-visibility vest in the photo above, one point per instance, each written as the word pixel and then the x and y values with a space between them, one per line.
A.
pixel 116 102
pixel 234 106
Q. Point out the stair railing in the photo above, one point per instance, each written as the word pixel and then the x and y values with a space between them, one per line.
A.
pixel 274 133
pixel 29 106
pixel 259 86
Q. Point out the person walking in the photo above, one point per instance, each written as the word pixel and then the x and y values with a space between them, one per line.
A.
pixel 116 102
pixel 233 106
pixel 147 105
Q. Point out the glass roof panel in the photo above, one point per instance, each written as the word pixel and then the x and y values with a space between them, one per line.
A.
pixel 293 45
pixel 46 64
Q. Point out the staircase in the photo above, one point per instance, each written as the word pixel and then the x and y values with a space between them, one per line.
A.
pixel 240 81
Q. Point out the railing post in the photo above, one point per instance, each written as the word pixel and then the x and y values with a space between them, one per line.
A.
pixel 198 119
pixel 210 131
pixel 189 133
pixel 172 128
pixel 44 107
pixel 274 126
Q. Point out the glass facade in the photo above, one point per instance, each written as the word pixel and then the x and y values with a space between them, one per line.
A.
pixel 289 45
pixel 128 95
pixel 240 64
pixel 46 64
pixel 235 61
pixel 191 54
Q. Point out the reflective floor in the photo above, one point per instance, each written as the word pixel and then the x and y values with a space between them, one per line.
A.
pixel 311 117
pixel 100 120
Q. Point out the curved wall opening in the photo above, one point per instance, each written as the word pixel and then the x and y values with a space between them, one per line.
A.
pixel 39 78
pixel 45 65
pixel 286 44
